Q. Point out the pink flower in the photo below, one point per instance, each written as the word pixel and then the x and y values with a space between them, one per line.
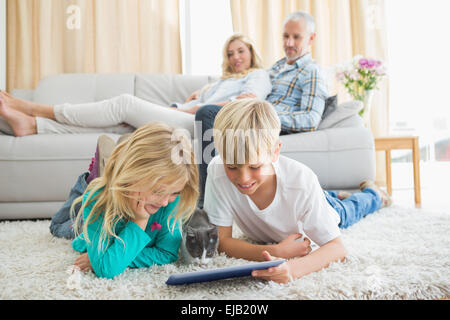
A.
pixel 340 75
pixel 371 63
pixel 155 225
pixel 363 63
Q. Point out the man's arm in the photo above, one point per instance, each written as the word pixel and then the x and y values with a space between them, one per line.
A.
pixel 308 115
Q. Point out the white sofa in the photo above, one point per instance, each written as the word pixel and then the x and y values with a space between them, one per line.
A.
pixel 37 172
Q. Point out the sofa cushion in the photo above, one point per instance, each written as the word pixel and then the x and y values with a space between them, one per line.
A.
pixel 43 167
pixel 340 112
pixel 82 88
pixel 165 89
pixel 5 127
pixel 341 157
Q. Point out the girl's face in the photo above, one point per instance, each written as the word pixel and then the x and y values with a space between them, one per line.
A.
pixel 239 56
pixel 155 199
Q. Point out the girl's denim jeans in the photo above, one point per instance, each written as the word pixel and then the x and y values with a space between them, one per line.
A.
pixel 61 224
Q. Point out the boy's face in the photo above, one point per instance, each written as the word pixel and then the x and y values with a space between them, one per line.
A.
pixel 248 178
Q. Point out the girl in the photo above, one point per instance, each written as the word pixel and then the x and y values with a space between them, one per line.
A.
pixel 131 215
pixel 242 75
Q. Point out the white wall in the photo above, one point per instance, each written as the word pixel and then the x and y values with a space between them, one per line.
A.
pixel 2 44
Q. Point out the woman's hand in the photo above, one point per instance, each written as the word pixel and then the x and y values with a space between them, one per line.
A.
pixel 83 263
pixel 194 96
pixel 246 95
pixel 291 247
pixel 191 110
pixel 281 273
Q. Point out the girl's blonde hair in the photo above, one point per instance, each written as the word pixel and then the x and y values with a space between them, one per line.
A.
pixel 143 160
pixel 246 131
pixel 256 61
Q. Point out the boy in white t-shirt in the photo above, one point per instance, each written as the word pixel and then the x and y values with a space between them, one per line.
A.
pixel 274 199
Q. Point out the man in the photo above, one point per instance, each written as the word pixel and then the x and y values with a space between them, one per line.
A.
pixel 298 89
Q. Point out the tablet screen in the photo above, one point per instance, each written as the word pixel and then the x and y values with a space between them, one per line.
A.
pixel 220 273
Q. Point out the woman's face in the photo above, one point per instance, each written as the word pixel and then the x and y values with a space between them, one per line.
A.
pixel 239 56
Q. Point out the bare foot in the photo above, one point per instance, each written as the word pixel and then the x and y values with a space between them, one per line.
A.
pixel 18 104
pixel 21 123
pixel 386 200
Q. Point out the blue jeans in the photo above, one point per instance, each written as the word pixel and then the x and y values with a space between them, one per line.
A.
pixel 61 224
pixel 355 207
pixel 206 116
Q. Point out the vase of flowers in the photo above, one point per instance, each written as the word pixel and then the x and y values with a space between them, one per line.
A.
pixel 360 77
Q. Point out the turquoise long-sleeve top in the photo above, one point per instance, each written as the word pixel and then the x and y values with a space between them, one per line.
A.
pixel 139 248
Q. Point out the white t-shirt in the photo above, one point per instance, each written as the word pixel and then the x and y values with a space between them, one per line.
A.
pixel 299 205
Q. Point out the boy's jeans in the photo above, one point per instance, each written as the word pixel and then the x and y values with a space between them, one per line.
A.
pixel 61 224
pixel 355 207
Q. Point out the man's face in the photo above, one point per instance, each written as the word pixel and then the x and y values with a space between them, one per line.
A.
pixel 296 40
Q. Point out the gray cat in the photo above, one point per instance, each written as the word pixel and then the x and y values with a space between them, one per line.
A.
pixel 200 239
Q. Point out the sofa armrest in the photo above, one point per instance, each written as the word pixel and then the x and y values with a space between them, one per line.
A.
pixel 23 94
pixel 5 128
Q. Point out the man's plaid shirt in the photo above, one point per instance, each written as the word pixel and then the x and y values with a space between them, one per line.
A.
pixel 298 94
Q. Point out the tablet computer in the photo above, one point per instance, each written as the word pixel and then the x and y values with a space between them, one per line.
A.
pixel 221 273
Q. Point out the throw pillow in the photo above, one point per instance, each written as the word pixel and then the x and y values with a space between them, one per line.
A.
pixel 339 113
pixel 330 106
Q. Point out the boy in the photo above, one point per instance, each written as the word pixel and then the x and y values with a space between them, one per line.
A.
pixel 273 198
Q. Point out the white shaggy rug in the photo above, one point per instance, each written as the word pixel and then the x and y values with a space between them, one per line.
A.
pixel 395 253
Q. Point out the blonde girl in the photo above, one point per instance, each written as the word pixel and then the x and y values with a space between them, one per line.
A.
pixel 131 215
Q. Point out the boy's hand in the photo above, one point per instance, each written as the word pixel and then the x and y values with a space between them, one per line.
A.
pixel 291 248
pixel 83 262
pixel 280 274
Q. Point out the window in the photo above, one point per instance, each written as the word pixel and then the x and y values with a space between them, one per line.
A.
pixel 419 65
pixel 205 25
pixel 418 69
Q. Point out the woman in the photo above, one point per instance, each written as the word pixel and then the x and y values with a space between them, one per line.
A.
pixel 242 76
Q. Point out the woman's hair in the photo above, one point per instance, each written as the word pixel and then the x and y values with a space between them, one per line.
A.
pixel 256 61
pixel 141 162
pixel 246 131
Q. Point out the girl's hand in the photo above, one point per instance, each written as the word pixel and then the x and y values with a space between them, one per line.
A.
pixel 138 206
pixel 291 248
pixel 83 263
pixel 280 274
pixel 195 95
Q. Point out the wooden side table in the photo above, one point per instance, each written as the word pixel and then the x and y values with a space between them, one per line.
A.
pixel 390 143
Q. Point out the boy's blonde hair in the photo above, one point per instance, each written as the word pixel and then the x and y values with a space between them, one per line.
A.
pixel 246 131
pixel 144 160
